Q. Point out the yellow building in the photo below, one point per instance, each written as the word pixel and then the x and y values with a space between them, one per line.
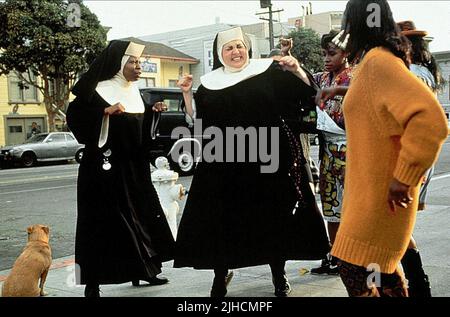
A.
pixel 162 65
pixel 19 108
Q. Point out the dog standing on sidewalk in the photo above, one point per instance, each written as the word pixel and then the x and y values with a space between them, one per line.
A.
pixel 31 266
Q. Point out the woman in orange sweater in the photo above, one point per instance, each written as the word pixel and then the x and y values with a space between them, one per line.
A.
pixel 395 129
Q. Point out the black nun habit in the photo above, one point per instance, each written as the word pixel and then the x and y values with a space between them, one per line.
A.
pixel 122 234
pixel 235 215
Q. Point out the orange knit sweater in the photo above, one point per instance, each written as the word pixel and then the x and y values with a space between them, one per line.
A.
pixel 395 129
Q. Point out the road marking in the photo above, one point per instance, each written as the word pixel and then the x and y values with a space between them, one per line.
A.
pixel 435 178
pixel 37 179
pixel 39 169
pixel 37 189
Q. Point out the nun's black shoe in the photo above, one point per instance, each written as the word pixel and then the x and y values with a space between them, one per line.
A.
pixel 219 287
pixel 92 291
pixel 152 281
pixel 282 286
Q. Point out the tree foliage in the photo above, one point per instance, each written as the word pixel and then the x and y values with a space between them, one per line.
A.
pixel 306 48
pixel 40 37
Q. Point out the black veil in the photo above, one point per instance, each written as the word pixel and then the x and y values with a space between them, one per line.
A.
pixel 104 67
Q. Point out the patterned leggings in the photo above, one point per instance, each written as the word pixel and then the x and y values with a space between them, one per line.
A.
pixel 355 280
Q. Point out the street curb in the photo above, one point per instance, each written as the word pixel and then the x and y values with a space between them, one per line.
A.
pixel 56 264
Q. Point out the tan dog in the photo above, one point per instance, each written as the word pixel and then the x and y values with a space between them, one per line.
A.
pixel 33 264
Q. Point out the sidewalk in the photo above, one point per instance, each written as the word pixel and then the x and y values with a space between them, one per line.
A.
pixel 186 282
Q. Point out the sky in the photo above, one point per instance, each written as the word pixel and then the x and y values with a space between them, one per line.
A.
pixel 145 17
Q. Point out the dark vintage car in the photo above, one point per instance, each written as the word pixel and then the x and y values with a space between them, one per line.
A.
pixel 165 144
pixel 42 147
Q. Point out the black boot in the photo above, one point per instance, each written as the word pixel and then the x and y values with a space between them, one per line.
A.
pixel 418 284
pixel 279 279
pixel 220 283
pixel 328 266
pixel 152 281
pixel 92 290
pixel 282 286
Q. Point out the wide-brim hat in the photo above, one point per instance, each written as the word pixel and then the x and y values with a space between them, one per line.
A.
pixel 408 28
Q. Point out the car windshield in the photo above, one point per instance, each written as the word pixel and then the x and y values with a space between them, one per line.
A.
pixel 38 138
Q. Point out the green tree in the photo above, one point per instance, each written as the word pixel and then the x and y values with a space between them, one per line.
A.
pixel 306 48
pixel 52 39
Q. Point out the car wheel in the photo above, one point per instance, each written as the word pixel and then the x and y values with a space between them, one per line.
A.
pixel 185 164
pixel 79 156
pixel 28 159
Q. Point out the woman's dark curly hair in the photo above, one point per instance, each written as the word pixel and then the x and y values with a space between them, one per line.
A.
pixel 328 38
pixel 364 37
pixel 421 55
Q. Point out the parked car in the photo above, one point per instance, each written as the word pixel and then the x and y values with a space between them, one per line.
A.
pixel 174 117
pixel 42 147
pixel 164 144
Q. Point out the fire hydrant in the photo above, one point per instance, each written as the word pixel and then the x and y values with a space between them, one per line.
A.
pixel 169 193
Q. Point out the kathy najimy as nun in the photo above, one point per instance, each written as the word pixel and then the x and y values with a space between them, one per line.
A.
pixel 122 234
pixel 235 215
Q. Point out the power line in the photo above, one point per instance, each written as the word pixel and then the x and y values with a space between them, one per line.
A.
pixel 268 4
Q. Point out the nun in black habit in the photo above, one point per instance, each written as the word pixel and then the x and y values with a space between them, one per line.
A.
pixel 236 215
pixel 122 234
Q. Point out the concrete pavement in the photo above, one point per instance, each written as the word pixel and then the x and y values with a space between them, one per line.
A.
pixel 186 282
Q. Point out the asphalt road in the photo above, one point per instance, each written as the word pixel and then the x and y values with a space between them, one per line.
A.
pixel 47 195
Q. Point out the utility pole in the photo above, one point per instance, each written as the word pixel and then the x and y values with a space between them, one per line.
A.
pixel 268 4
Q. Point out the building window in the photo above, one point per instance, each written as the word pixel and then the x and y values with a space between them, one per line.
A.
pixel 173 83
pixel 15 129
pixel 208 58
pixel 21 92
pixel 146 82
pixel 148 67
